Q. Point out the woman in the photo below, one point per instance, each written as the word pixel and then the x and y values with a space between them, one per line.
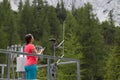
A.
pixel 31 61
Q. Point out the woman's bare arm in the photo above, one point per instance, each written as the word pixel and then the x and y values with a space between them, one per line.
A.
pixel 38 52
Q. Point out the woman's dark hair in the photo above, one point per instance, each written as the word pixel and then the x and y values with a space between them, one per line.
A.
pixel 28 37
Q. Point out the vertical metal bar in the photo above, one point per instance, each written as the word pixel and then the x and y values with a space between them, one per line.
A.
pixel 18 75
pixel 63 38
pixel 2 75
pixel 13 69
pixel 53 71
pixel 78 70
pixel 48 70
pixel 8 66
pixel 1 72
pixel 54 47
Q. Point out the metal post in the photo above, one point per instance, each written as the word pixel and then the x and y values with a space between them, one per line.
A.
pixel 53 71
pixel 54 55
pixel 8 66
pixel 2 75
pixel 78 70
pixel 54 47
pixel 48 70
pixel 63 38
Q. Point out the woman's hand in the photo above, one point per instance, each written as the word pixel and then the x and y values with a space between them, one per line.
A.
pixel 40 51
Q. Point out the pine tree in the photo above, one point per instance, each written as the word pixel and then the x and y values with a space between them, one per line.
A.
pixel 108 33
pixel 71 36
pixel 20 7
pixel 92 41
pixel 112 67
pixel 55 28
pixel 40 3
pixel 61 12
pixel 26 19
pixel 8 22
pixel 34 3
pixel 3 39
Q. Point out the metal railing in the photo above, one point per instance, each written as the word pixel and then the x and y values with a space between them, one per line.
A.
pixel 48 65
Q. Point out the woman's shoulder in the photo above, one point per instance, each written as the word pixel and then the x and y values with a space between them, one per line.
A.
pixel 31 45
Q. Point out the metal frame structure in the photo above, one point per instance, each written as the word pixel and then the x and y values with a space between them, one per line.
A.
pixel 70 60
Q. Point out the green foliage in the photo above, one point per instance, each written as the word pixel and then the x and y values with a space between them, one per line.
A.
pixel 61 12
pixel 72 45
pixel 112 67
pixel 20 6
pixel 55 27
pixel 108 33
pixel 91 38
pixel 3 39
pixel 67 73
pixel 41 75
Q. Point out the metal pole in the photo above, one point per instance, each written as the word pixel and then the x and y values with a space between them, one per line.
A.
pixel 8 66
pixel 2 75
pixel 48 70
pixel 54 47
pixel 63 36
pixel 78 70
pixel 53 67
